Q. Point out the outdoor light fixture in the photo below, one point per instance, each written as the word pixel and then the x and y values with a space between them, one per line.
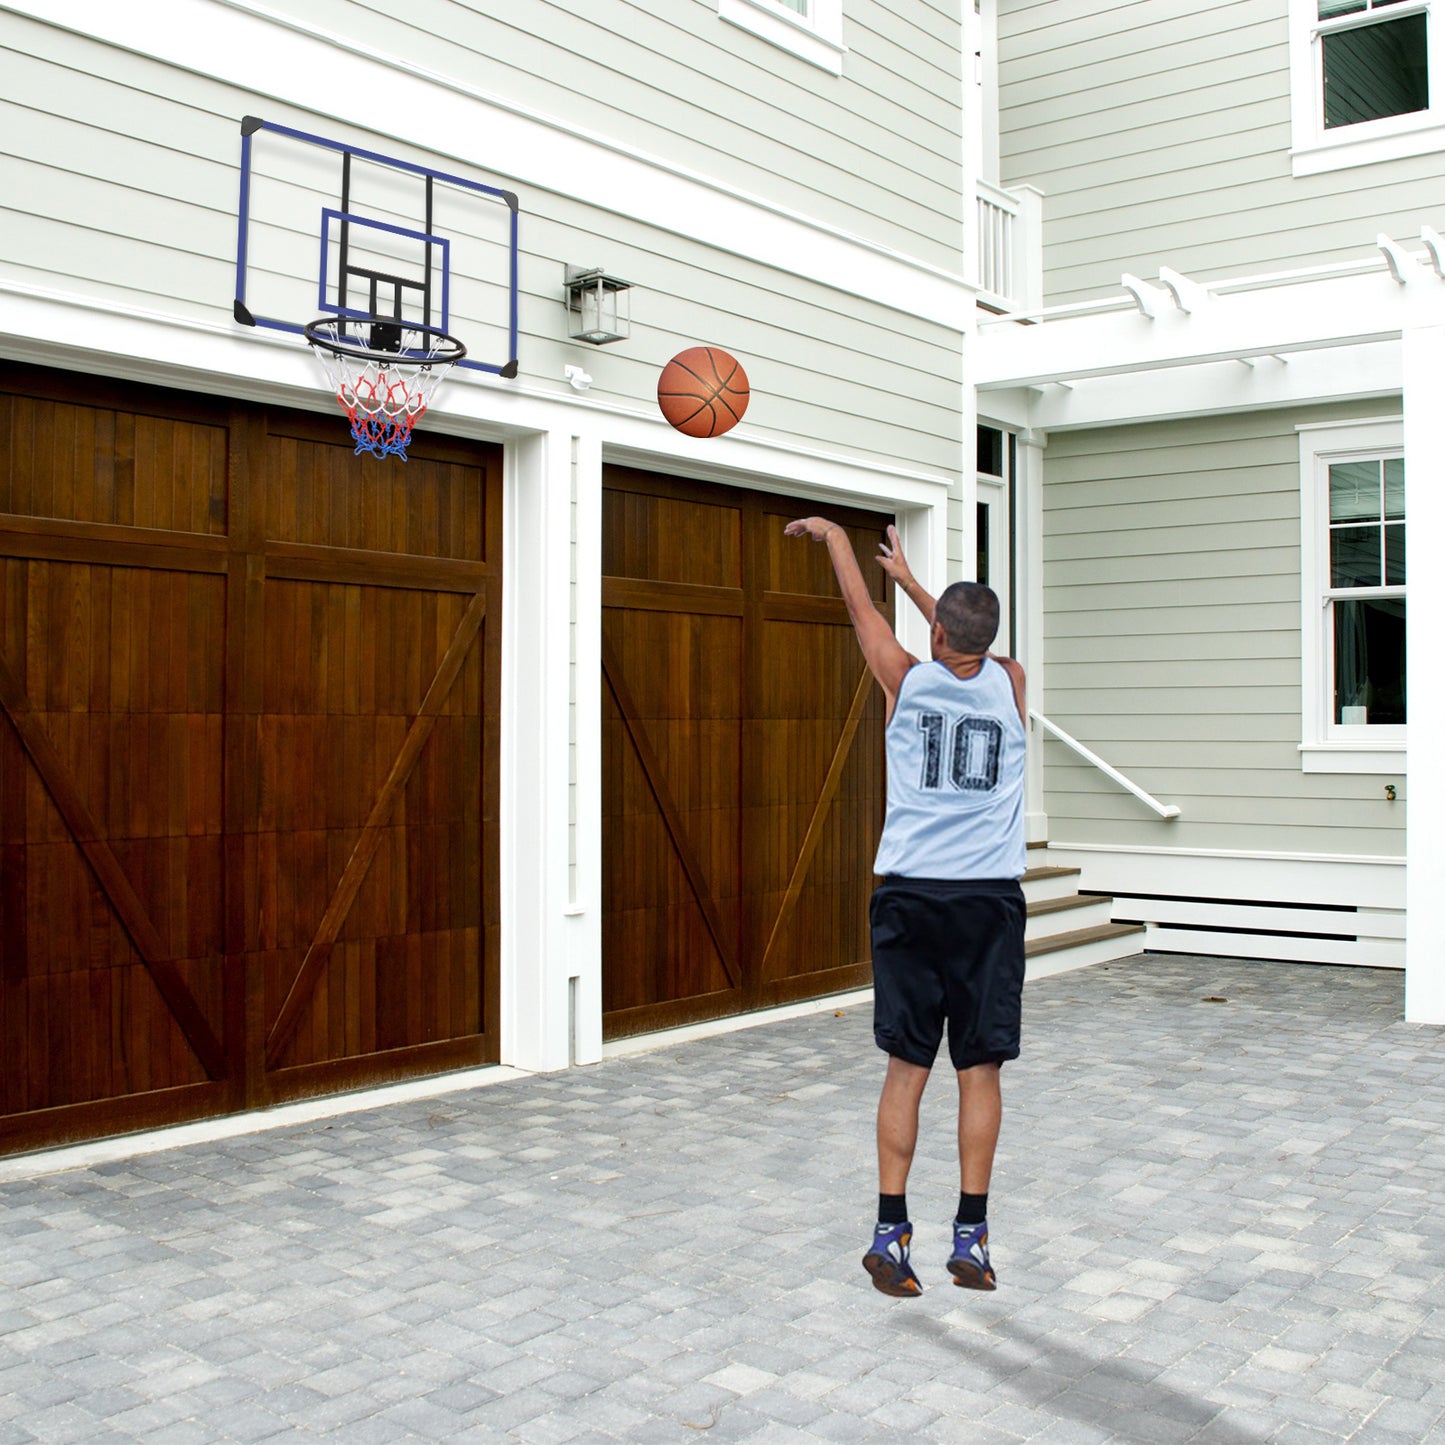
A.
pixel 598 310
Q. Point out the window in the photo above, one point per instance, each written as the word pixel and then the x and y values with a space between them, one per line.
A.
pixel 810 29
pixel 1360 82
pixel 1353 549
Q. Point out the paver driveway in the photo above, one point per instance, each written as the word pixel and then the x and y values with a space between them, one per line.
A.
pixel 1214 1221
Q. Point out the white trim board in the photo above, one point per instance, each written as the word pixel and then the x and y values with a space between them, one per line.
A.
pixel 235 42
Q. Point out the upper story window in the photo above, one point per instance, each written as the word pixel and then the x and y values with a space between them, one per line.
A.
pixel 809 29
pixel 1360 81
pixel 1353 639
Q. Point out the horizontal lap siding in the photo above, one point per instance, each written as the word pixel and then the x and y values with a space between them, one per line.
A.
pixel 1160 134
pixel 1172 624
pixel 129 197
pixel 876 151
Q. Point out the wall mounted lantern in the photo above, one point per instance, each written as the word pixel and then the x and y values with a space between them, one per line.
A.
pixel 598 307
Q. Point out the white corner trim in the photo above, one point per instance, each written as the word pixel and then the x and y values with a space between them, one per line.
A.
pixel 819 42
pixel 439 114
pixel 1344 758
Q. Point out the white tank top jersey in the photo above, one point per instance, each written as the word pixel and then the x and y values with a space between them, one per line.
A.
pixel 955 777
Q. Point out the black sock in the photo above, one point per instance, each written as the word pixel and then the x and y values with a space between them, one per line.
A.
pixel 892 1209
pixel 972 1208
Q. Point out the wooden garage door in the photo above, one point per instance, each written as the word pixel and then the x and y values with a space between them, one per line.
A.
pixel 248 744
pixel 743 755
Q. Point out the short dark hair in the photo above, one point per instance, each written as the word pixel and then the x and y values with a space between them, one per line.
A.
pixel 969 614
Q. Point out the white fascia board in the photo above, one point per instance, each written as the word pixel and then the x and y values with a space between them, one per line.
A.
pixel 1282 319
pixel 265 366
pixel 237 43
pixel 1301 378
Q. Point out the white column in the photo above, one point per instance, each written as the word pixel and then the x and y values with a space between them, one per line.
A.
pixel 1028 482
pixel 584 906
pixel 537 994
pixel 1424 373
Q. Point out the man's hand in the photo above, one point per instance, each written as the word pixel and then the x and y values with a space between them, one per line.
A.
pixel 891 559
pixel 815 527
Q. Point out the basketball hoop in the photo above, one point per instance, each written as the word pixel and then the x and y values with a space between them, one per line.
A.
pixel 384 372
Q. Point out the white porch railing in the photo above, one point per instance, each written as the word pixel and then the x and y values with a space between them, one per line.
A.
pixel 1165 810
pixel 1009 246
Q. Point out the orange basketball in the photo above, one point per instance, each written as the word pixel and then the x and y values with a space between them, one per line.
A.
pixel 703 391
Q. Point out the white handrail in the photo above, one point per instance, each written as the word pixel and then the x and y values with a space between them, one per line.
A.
pixel 1165 810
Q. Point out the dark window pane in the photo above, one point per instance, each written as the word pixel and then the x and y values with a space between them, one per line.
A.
pixel 1395 488
pixel 1355 557
pixel 1395 556
pixel 1370 660
pixel 990 451
pixel 1330 8
pixel 1375 70
pixel 1354 491
pixel 982 574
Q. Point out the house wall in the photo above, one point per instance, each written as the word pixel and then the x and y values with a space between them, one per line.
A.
pixel 833 276
pixel 120 182
pixel 1160 132
pixel 1172 627
pixel 876 150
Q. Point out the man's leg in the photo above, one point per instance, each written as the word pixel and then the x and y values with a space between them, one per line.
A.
pixel 898 1123
pixel 887 1257
pixel 980 1112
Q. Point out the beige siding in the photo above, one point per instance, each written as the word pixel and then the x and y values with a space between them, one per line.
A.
pixel 875 151
pixel 1159 132
pixel 129 197
pixel 1172 625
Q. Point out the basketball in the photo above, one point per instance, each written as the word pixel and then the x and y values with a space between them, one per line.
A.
pixel 703 391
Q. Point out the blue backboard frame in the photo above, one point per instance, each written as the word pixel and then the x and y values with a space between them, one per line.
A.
pixel 344 218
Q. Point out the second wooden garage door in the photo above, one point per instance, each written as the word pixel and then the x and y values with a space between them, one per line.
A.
pixel 743 755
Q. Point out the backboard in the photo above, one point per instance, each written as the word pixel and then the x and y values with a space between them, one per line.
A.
pixel 328 229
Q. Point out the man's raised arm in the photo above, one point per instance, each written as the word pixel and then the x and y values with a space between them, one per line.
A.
pixel 895 564
pixel 882 651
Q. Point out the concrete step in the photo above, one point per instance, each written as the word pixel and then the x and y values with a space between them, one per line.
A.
pixel 1081 947
pixel 1049 917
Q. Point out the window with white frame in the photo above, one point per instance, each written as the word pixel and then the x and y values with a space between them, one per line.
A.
pixel 1353 595
pixel 1360 81
pixel 809 29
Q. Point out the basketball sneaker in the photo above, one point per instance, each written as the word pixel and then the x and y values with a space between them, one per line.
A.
pixel 887 1261
pixel 969 1264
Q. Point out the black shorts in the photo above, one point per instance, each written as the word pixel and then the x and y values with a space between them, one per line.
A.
pixel 948 951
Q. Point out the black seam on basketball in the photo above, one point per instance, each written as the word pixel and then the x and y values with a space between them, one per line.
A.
pixel 697 376
pixel 736 414
pixel 691 415
pixel 737 367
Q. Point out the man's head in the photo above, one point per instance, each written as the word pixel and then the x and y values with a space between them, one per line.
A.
pixel 965 618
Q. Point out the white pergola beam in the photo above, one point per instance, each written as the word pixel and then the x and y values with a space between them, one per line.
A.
pixel 1308 378
pixel 1281 320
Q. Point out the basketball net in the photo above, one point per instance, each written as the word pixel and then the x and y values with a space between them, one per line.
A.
pixel 383 393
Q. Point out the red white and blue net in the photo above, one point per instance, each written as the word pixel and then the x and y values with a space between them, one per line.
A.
pixel 384 392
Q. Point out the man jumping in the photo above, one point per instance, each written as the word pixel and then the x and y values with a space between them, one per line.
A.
pixel 948 916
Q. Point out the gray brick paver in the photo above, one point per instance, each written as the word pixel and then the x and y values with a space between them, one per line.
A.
pixel 1205 1229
